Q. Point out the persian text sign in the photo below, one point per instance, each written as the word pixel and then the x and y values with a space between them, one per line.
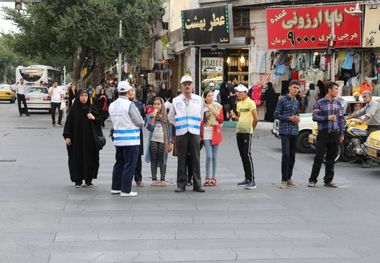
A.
pixel 310 27
pixel 371 34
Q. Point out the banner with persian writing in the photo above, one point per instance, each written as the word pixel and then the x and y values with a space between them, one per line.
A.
pixel 205 26
pixel 371 33
pixel 310 27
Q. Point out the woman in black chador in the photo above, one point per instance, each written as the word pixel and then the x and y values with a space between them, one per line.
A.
pixel 271 99
pixel 82 121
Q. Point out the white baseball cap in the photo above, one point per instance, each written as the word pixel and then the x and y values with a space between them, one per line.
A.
pixel 241 88
pixel 212 84
pixel 186 78
pixel 123 86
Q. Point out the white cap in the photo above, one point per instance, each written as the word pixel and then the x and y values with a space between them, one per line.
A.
pixel 186 78
pixel 241 88
pixel 211 84
pixel 123 86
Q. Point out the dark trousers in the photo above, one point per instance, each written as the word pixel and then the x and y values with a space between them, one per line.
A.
pixel 21 98
pixel 288 145
pixel 138 173
pixel 126 160
pixel 327 144
pixel 54 106
pixel 188 143
pixel 244 142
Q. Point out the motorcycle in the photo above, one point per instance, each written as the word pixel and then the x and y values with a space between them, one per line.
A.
pixel 352 149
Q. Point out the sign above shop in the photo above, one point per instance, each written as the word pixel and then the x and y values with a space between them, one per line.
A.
pixel 310 27
pixel 371 34
pixel 207 26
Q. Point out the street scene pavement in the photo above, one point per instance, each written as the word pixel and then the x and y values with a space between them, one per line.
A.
pixel 45 219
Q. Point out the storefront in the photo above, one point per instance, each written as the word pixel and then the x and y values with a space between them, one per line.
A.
pixel 300 36
pixel 219 58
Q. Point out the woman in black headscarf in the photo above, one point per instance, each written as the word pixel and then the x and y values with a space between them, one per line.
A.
pixel 82 121
pixel 270 98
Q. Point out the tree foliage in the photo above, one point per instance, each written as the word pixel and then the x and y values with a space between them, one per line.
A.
pixel 84 31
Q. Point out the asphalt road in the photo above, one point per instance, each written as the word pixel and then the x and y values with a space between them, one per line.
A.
pixel 44 218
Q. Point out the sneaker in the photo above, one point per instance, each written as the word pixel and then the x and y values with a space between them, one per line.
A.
pixel 139 184
pixel 59 123
pixel 130 194
pixel 283 185
pixel 163 184
pixel 250 186
pixel 244 183
pixel 155 183
pixel 77 186
pixel 115 192
pixel 291 183
pixel 331 184
pixel 311 184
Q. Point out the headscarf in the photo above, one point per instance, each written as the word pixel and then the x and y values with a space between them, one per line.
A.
pixel 163 116
pixel 77 105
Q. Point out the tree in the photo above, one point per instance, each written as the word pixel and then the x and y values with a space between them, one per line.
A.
pixel 84 32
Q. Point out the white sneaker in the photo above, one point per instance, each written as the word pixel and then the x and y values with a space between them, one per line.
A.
pixel 115 192
pixel 131 194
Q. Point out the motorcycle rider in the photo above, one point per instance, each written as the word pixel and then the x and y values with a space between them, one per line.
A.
pixel 371 112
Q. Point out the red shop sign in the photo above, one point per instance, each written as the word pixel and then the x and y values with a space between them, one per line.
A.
pixel 310 27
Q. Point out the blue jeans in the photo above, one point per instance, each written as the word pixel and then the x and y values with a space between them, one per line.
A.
pixel 211 156
pixel 126 160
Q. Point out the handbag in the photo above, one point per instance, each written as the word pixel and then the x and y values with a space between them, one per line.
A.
pixel 99 140
pixel 105 106
pixel 63 105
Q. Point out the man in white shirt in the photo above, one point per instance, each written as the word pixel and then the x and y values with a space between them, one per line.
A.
pixel 21 97
pixel 56 95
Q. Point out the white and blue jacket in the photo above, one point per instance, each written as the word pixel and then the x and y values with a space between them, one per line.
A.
pixel 127 122
pixel 186 116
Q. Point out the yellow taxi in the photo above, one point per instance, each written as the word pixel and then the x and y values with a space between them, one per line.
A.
pixel 373 146
pixel 6 93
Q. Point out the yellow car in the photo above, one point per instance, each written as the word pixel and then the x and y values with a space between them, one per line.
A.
pixel 7 94
pixel 373 146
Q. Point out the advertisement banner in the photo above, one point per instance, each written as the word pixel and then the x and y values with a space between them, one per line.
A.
pixel 310 27
pixel 371 33
pixel 205 26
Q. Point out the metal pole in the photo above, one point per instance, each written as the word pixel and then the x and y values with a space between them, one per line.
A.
pixel 64 75
pixel 333 53
pixel 120 54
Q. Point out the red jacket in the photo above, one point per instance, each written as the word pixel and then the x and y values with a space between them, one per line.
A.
pixel 217 135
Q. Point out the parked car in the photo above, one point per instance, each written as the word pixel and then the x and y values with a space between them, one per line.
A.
pixel 373 146
pixel 37 98
pixel 7 93
pixel 306 123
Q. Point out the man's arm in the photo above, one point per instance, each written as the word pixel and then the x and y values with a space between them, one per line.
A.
pixel 255 118
pixel 135 116
pixel 171 115
pixel 278 113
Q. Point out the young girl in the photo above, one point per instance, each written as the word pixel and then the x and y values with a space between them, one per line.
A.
pixel 211 134
pixel 159 142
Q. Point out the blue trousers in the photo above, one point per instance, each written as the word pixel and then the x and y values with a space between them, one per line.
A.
pixel 126 160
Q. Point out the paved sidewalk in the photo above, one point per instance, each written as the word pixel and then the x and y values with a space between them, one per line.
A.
pixel 45 219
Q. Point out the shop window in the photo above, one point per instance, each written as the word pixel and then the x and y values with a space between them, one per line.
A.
pixel 241 18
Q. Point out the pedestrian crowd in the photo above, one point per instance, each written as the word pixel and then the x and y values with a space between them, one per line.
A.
pixel 183 125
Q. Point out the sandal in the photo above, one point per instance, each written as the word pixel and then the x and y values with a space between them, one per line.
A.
pixel 163 184
pixel 207 182
pixel 154 183
pixel 212 182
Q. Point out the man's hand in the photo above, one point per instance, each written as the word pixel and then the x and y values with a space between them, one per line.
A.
pixel 232 114
pixel 170 147
pixel 294 119
pixel 341 139
pixel 332 118
pixel 90 116
pixel 68 141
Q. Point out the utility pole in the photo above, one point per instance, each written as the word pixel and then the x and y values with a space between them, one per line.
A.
pixel 333 54
pixel 120 47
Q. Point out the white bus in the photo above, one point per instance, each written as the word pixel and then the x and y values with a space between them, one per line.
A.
pixel 34 74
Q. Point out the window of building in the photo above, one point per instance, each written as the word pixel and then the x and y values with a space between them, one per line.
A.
pixel 241 18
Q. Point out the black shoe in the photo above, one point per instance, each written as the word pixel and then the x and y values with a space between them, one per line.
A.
pixel 59 123
pixel 244 183
pixel 199 190
pixel 180 190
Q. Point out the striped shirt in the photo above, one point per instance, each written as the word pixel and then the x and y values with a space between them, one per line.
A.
pixel 325 107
